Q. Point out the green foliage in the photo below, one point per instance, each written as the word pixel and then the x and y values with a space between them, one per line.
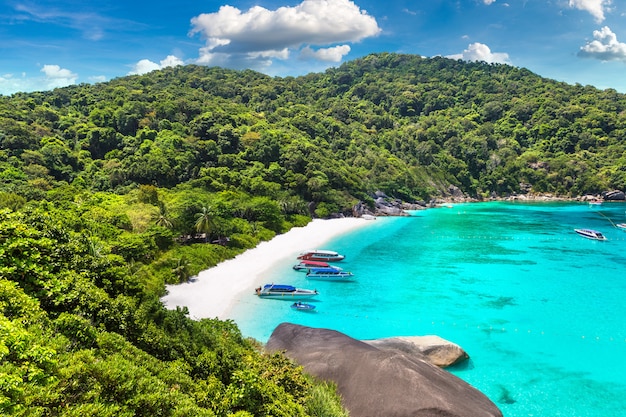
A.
pixel 325 402
pixel 110 191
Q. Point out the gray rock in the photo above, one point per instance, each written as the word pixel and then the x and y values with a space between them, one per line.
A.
pixel 615 195
pixel 377 383
pixel 434 349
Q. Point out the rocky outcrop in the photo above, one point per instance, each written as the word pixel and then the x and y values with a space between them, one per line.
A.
pixel 615 195
pixel 379 382
pixel 436 350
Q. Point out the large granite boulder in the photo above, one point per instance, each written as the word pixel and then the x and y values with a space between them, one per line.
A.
pixel 375 382
pixel 615 195
pixel 436 350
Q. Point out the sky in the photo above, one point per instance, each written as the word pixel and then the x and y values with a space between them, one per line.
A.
pixel 46 44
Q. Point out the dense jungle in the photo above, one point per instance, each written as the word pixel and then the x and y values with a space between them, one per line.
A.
pixel 110 191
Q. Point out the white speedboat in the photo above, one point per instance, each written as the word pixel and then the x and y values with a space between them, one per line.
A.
pixel 285 292
pixel 321 255
pixel 300 306
pixel 590 234
pixel 329 274
pixel 621 226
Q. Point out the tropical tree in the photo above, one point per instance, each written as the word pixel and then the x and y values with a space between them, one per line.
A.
pixel 204 221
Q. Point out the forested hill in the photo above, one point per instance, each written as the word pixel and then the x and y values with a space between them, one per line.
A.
pixel 403 124
pixel 110 191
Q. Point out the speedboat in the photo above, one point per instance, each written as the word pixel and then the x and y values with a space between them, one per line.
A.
pixel 329 274
pixel 590 234
pixel 305 265
pixel 300 306
pixel 321 255
pixel 621 226
pixel 285 292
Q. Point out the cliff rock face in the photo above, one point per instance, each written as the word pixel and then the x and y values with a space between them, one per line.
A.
pixel 379 383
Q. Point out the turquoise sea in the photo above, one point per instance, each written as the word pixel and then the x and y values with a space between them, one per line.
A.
pixel 540 310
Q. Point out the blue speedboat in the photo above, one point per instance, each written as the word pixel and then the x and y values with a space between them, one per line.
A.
pixel 285 292
pixel 329 274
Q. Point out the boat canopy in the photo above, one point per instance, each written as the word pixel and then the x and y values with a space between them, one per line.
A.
pixel 279 287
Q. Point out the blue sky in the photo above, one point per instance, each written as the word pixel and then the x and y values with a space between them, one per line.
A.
pixel 46 44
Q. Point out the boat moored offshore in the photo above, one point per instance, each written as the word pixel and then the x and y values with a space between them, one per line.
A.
pixel 590 234
pixel 329 274
pixel 285 292
pixel 321 255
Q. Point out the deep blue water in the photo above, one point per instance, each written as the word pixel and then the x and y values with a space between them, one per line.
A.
pixel 540 310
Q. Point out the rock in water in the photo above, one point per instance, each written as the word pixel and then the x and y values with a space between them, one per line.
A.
pixel 379 383
pixel 436 350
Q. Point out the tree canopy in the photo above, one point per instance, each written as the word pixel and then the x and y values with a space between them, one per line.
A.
pixel 108 192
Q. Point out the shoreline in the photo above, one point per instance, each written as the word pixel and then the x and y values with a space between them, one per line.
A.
pixel 214 291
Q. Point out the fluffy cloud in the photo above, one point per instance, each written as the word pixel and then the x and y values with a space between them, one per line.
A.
pixel 58 77
pixel 481 52
pixel 595 7
pixel 488 2
pixel 604 47
pixel 53 77
pixel 334 54
pixel 259 33
pixel 145 65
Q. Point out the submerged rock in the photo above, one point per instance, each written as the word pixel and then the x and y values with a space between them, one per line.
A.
pixel 377 382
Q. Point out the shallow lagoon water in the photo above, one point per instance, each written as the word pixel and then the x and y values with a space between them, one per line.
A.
pixel 539 309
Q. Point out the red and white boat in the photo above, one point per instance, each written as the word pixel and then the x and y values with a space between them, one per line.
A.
pixel 321 255
pixel 305 265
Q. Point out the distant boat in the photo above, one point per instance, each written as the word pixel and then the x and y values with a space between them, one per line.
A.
pixel 621 226
pixel 300 306
pixel 305 265
pixel 368 217
pixel 285 292
pixel 590 234
pixel 595 202
pixel 321 255
pixel 329 274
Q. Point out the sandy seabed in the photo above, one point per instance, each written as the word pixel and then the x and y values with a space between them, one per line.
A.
pixel 212 293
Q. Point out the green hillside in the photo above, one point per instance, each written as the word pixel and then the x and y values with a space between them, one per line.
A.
pixel 110 191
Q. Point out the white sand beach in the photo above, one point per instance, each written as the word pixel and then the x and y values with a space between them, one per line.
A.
pixel 212 293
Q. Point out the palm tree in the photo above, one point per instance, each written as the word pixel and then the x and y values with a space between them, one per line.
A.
pixel 182 269
pixel 204 221
pixel 162 219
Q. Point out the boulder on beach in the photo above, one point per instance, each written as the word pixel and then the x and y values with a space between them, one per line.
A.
pixel 434 349
pixel 377 382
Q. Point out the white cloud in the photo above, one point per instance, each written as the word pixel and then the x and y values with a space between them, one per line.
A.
pixel 58 77
pixel 9 84
pixel 488 2
pixel 481 52
pixel 595 7
pixel 604 47
pixel 235 36
pixel 145 66
pixel 334 54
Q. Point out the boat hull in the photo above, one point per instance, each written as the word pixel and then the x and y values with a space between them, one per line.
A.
pixel 288 296
pixel 343 277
